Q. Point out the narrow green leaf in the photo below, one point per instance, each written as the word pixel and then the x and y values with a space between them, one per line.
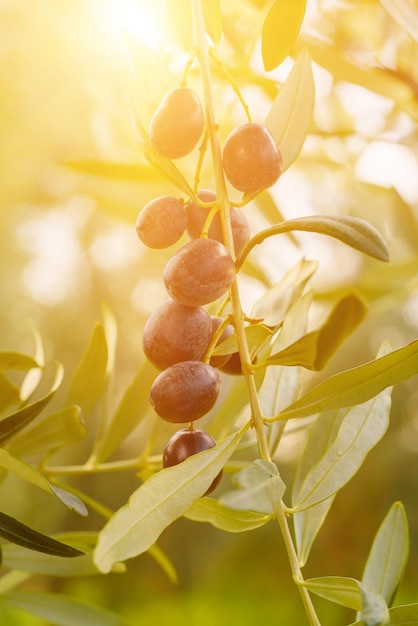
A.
pixel 280 29
pixel 405 14
pixel 90 376
pixel 307 523
pixel 363 426
pixel 389 554
pixel 275 303
pixel 34 376
pixel 32 475
pixel 290 115
pixel 357 385
pixel 17 557
pixel 256 335
pixel 132 409
pixel 406 615
pixel 162 499
pixel 50 433
pixel 11 360
pixel 13 423
pixel 352 231
pixel 352 594
pixel 314 350
pixel 222 517
pixel 260 488
pixel 16 532
pixel 62 610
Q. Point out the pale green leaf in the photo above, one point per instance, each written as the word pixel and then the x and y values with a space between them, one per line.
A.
pixel 389 554
pixel 280 29
pixel 260 488
pixel 307 523
pixel 32 475
pixel 162 499
pixel 405 14
pixel 222 517
pixel 314 350
pixel 11 360
pixel 363 426
pixel 357 385
pixel 34 376
pixel 290 115
pixel 352 231
pixel 63 610
pixel 22 559
pixel 90 376
pixel 352 594
pixel 256 335
pixel 23 535
pixel 274 304
pixel 50 433
pixel 132 409
pixel 13 423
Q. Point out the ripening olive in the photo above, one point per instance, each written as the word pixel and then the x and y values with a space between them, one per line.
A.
pixel 251 158
pixel 177 123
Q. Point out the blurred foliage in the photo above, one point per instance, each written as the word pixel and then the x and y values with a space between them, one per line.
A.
pixel 73 178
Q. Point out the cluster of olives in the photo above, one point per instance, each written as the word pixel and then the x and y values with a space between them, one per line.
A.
pixel 177 335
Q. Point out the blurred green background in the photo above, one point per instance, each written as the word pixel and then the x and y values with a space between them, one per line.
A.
pixel 68 244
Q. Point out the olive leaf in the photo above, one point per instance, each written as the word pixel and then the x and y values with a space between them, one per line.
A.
pixel 225 518
pixel 260 488
pixel 280 29
pixel 13 423
pixel 32 475
pixel 11 360
pixel 290 115
pixel 16 532
pixel 353 594
pixel 362 427
pixel 277 300
pixel 357 385
pixel 388 556
pixel 314 350
pixel 352 231
pixel 59 429
pixel 62 610
pixel 132 409
pixel 163 498
pixel 90 376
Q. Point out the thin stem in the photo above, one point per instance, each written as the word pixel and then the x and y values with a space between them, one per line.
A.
pixel 238 316
pixel 294 562
pixel 224 208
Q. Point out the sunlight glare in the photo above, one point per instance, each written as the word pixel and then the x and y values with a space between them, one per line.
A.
pixel 139 17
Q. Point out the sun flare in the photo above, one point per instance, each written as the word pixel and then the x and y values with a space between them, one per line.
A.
pixel 139 17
